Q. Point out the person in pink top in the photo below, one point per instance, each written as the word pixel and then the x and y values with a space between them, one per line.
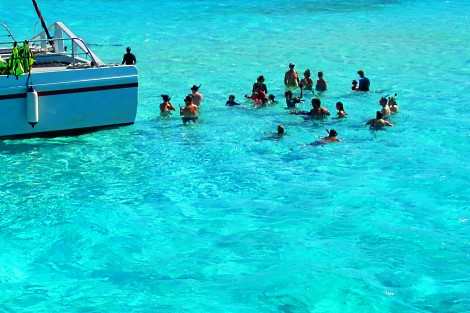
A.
pixel 197 96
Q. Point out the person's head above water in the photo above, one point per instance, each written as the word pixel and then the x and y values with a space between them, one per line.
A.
pixel 280 130
pixel 128 49
pixel 188 99
pixel 360 73
pixel 316 103
pixel 379 115
pixel 195 88
pixel 231 98
pixel 332 133
pixel 271 97
pixel 166 98
pixel 354 82
pixel 288 94
pixel 260 79
pixel 291 66
pixel 307 73
pixel 383 101
pixel 320 74
pixel 339 106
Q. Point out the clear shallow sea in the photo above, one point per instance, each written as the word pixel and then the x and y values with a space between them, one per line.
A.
pixel 158 217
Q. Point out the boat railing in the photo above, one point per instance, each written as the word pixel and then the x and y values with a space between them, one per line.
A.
pixel 78 54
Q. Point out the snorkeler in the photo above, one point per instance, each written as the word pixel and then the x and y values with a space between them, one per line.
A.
pixel 378 122
pixel 383 102
pixel 166 107
pixel 364 82
pixel 292 101
pixel 196 95
pixel 291 78
pixel 307 83
pixel 190 112
pixel 340 108
pixel 231 101
pixel 321 83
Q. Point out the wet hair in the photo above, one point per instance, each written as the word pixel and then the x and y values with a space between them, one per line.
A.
pixel 231 97
pixel 280 130
pixel 291 65
pixel 360 73
pixel 260 78
pixel 307 72
pixel 379 115
pixel 316 102
pixel 340 105
pixel 320 74
pixel 128 49
pixel 332 133
pixel 383 101
pixel 271 97
pixel 354 82
pixel 165 97
pixel 188 98
pixel 288 93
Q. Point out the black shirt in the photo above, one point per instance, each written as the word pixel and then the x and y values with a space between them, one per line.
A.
pixel 129 59
pixel 364 84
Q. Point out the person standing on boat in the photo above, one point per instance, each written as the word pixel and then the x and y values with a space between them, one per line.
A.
pixel 197 96
pixel 129 58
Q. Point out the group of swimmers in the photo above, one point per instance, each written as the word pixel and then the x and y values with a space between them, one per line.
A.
pixel 260 97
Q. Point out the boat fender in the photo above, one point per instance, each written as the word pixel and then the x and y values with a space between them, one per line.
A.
pixel 32 106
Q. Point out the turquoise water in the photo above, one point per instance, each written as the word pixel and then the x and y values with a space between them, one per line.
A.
pixel 157 217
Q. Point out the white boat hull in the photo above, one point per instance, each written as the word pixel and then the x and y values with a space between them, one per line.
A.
pixel 69 101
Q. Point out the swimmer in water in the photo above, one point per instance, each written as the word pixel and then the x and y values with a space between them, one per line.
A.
pixel 307 83
pixel 291 78
pixel 259 92
pixel 378 122
pixel 292 101
pixel 189 113
pixel 321 83
pixel 354 85
pixel 317 111
pixel 364 82
pixel 197 96
pixel 340 108
pixel 166 107
pixel 383 102
pixel 272 99
pixel 331 138
pixel 392 103
pixel 281 131
pixel 231 101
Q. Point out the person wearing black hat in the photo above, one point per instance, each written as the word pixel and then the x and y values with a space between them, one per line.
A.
pixel 166 107
pixel 291 78
pixel 197 96
pixel 129 58
pixel 364 82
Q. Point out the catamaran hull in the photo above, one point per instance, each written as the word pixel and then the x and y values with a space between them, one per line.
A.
pixel 68 101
